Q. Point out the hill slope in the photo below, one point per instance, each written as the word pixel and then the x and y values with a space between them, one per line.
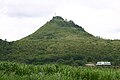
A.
pixel 61 41
pixel 58 28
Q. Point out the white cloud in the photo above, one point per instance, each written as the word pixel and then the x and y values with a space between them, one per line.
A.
pixel 30 8
pixel 19 18
pixel 14 28
pixel 98 21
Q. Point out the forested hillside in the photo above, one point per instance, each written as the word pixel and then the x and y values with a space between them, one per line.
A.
pixel 61 41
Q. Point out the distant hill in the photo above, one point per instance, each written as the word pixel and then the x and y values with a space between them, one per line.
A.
pixel 64 42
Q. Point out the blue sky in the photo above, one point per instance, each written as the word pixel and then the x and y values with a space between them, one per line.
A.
pixel 19 18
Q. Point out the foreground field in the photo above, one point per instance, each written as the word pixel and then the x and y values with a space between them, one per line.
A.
pixel 16 71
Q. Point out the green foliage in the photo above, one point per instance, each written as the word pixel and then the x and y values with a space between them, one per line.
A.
pixel 16 71
pixel 61 41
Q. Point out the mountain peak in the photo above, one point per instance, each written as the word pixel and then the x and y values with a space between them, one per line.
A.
pixel 57 18
pixel 59 28
pixel 64 23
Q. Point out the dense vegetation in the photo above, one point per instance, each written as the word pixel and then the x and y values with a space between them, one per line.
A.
pixel 16 71
pixel 61 41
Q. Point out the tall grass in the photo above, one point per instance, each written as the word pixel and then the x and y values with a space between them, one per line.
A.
pixel 16 71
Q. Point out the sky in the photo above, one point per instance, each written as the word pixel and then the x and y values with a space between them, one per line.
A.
pixel 19 18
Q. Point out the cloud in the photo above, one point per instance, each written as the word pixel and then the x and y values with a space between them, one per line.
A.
pixel 19 18
pixel 98 4
pixel 30 8
pixel 95 20
pixel 14 28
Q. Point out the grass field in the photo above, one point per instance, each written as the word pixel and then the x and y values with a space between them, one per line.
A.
pixel 18 71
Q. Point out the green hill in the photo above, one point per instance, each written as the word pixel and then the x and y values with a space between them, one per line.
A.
pixel 62 41
pixel 58 28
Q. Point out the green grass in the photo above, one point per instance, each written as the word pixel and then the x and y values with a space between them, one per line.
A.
pixel 17 71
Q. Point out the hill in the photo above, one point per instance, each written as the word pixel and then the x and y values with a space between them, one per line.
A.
pixel 62 41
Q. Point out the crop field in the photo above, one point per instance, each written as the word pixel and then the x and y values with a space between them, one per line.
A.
pixel 18 71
